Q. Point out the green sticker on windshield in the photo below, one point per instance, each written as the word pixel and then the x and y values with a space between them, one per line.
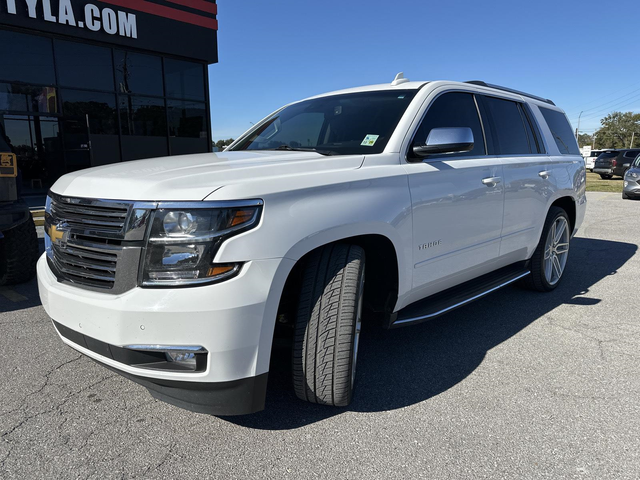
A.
pixel 369 140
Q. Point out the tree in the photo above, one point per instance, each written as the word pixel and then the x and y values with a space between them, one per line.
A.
pixel 222 144
pixel 584 140
pixel 617 130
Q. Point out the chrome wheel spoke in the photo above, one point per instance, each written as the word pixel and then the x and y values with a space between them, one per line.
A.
pixel 557 268
pixel 556 250
pixel 562 226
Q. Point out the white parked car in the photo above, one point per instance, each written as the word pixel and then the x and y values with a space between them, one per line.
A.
pixel 590 161
pixel 407 199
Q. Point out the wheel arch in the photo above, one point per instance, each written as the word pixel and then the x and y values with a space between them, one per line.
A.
pixel 568 204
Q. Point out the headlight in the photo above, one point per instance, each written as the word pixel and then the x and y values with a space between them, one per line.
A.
pixel 183 243
pixel 632 174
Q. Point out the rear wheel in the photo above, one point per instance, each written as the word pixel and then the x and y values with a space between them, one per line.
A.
pixel 550 257
pixel 606 177
pixel 328 324
pixel 19 253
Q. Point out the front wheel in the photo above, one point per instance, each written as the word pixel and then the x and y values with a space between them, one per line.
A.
pixel 328 323
pixel 549 260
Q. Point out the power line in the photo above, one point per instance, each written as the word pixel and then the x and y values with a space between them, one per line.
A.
pixel 611 101
pixel 605 96
pixel 611 108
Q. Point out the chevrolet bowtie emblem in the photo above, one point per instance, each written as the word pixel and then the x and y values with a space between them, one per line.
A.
pixel 57 235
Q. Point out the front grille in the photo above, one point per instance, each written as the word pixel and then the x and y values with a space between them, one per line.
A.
pixel 94 218
pixel 88 266
pixel 89 246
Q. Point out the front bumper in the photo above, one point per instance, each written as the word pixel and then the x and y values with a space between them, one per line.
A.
pixel 631 188
pixel 232 320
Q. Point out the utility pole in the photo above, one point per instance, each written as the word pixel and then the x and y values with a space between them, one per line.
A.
pixel 633 134
pixel 578 124
pixel 594 140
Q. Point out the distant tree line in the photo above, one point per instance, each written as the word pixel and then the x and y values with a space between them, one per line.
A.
pixel 222 144
pixel 618 130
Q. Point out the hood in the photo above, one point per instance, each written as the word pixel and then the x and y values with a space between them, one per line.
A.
pixel 194 177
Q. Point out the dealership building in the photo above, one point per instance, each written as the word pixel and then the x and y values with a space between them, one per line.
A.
pixel 84 84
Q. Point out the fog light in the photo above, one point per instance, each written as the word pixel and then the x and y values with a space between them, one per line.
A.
pixel 187 359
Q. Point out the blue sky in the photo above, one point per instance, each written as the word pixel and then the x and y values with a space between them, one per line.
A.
pixel 275 52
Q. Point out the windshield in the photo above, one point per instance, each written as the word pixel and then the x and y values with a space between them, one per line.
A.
pixel 354 123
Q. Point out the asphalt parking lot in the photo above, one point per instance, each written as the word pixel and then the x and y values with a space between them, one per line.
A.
pixel 517 385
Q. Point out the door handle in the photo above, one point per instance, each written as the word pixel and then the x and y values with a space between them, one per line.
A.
pixel 491 181
pixel 544 174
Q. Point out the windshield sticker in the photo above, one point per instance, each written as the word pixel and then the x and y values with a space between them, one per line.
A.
pixel 369 140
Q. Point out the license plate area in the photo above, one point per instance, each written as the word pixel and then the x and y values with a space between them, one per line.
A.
pixel 8 165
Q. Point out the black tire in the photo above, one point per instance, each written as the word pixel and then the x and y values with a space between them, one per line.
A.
pixel 19 253
pixel 606 177
pixel 537 280
pixel 325 333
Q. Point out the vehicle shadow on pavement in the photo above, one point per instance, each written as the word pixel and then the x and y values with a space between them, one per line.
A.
pixel 402 367
pixel 22 296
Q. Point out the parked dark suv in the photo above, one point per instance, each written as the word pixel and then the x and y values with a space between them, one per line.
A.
pixel 615 162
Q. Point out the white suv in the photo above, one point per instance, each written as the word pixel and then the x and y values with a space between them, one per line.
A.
pixel 400 201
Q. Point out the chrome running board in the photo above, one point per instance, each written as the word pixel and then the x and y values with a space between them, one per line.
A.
pixel 444 302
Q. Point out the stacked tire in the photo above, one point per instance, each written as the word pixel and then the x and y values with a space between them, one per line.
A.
pixel 19 253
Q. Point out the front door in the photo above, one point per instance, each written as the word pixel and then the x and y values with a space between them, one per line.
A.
pixel 457 202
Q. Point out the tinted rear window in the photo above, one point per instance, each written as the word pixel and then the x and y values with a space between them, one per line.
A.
pixel 509 134
pixel 605 155
pixel 561 131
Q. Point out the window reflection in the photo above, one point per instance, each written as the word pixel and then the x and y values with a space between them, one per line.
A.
pixel 24 98
pixel 143 116
pixel 100 108
pixel 26 58
pixel 138 73
pixel 84 66
pixel 187 119
pixel 184 79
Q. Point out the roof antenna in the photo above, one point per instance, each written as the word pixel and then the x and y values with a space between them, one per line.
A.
pixel 399 79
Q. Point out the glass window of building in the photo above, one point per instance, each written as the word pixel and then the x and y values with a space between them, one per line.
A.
pixel 26 58
pixel 187 127
pixel 184 79
pixel 98 108
pixel 84 66
pixel 24 98
pixel 138 73
pixel 187 119
pixel 143 116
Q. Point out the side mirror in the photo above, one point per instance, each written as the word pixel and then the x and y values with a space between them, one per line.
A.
pixel 626 165
pixel 446 140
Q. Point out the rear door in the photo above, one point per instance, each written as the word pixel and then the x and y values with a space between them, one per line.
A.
pixel 457 212
pixel 517 141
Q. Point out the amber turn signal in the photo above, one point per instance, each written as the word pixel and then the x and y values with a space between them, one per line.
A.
pixel 220 270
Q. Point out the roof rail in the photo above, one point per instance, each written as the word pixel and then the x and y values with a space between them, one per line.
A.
pixel 510 90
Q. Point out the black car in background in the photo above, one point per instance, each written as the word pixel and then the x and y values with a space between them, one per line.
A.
pixel 615 162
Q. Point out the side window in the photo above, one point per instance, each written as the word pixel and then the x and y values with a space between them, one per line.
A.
pixel 508 130
pixel 535 138
pixel 561 131
pixel 453 110
pixel 631 154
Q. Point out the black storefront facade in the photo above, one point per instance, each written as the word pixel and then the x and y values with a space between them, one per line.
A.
pixel 85 84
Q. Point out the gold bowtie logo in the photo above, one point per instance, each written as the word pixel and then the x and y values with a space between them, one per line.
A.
pixel 56 235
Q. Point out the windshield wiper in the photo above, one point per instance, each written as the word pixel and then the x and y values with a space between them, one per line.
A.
pixel 302 149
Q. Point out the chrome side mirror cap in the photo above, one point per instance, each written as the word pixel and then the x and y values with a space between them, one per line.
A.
pixel 446 140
